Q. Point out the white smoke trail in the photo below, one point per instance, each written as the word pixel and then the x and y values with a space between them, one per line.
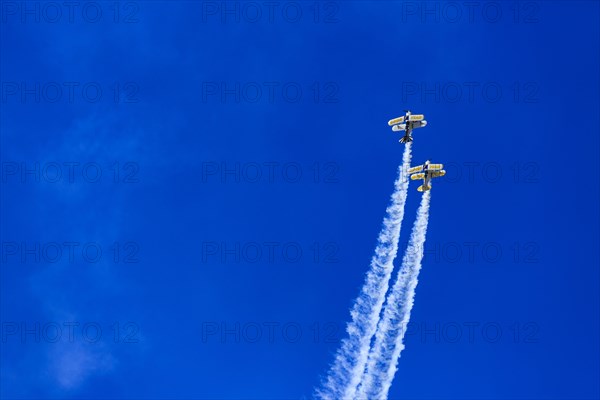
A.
pixel 383 359
pixel 351 358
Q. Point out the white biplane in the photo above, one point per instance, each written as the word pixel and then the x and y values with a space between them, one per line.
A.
pixel 407 123
pixel 426 172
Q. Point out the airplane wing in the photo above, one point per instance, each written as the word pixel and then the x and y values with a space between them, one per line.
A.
pixel 435 167
pixel 398 128
pixel 396 121
pixel 416 117
pixel 419 124
pixel 437 174
pixel 417 176
pixel 414 170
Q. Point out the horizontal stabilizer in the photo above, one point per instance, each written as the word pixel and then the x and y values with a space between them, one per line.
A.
pixel 423 188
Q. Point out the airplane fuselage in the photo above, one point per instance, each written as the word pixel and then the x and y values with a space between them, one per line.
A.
pixel 409 127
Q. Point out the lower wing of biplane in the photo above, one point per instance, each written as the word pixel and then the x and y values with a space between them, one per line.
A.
pixel 402 127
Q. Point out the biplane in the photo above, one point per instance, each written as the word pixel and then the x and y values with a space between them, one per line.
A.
pixel 426 172
pixel 407 123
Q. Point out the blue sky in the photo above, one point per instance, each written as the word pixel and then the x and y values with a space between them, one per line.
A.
pixel 245 166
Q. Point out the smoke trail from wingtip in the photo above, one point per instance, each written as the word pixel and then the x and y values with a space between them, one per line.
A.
pixel 351 358
pixel 383 359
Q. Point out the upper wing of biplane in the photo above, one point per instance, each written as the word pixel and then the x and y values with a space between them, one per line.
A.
pixel 414 170
pixel 435 167
pixel 396 121
pixel 416 117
